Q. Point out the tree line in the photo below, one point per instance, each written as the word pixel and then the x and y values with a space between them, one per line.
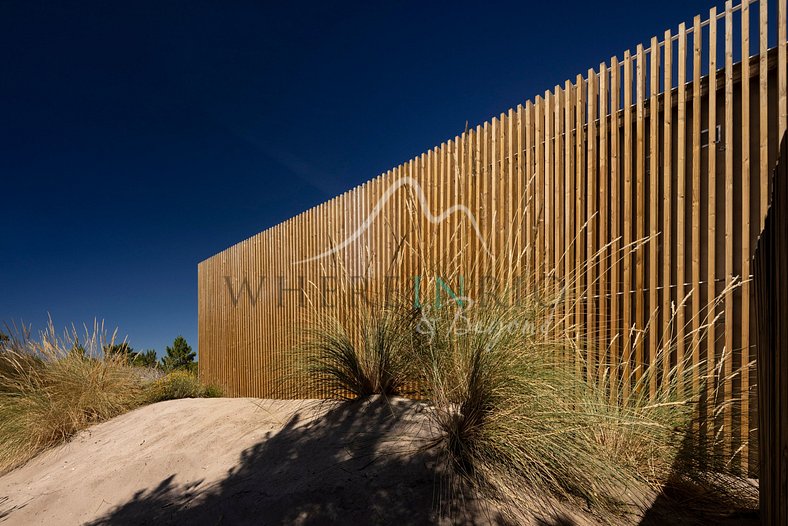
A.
pixel 178 356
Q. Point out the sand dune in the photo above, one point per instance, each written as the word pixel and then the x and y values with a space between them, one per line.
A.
pixel 237 461
pixel 249 461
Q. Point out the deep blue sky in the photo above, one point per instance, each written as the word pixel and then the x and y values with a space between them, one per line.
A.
pixel 139 138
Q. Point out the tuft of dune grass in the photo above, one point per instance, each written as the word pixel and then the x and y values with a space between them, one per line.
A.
pixel 513 416
pixel 526 419
pixel 359 355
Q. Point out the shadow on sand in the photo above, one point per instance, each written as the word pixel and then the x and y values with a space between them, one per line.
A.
pixel 347 466
pixel 354 463
pixel 684 503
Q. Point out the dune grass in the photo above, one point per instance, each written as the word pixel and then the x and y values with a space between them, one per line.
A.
pixel 362 354
pixel 48 393
pixel 525 417
pixel 512 414
pixel 52 386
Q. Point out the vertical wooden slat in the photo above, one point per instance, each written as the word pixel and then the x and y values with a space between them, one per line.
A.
pixel 569 200
pixel 549 180
pixel 580 173
pixel 502 209
pixel 466 194
pixel 461 178
pixel 745 235
pixel 696 202
pixel 615 231
pixel 530 199
pixel 486 211
pixel 763 119
pixel 628 216
pixel 640 207
pixel 448 183
pixel 539 194
pixel 434 234
pixel 522 180
pixel 558 197
pixel 493 212
pixel 592 189
pixel 681 212
pixel 711 225
pixel 410 225
pixel 428 173
pixel 782 73
pixel 653 245
pixel 478 203
pixel 667 206
pixel 513 202
pixel 604 204
pixel 424 167
pixel 729 320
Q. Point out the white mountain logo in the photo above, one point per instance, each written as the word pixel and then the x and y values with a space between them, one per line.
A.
pixel 434 219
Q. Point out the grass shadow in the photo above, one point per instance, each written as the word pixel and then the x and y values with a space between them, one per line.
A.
pixel 687 503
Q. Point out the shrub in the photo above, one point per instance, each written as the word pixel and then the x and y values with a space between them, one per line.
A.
pixel 179 384
pixel 53 386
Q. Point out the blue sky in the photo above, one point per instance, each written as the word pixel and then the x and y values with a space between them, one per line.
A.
pixel 139 138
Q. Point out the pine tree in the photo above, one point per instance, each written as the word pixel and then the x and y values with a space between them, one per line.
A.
pixel 179 356
pixel 119 349
pixel 145 358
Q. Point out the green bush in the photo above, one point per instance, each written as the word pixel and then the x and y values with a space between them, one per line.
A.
pixel 179 384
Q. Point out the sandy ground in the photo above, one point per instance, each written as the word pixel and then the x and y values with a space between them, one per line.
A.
pixel 248 461
pixel 236 461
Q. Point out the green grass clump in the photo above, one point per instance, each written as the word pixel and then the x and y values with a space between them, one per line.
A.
pixel 179 384
pixel 525 420
pixel 362 355
pixel 512 413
